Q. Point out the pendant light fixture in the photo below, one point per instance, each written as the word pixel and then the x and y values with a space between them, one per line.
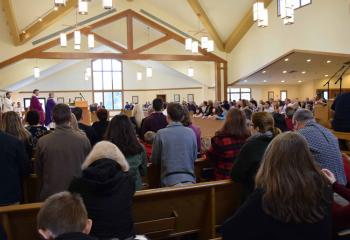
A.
pixel 82 7
pixel 91 41
pixel 107 4
pixel 195 46
pixel 210 47
pixel 287 11
pixel 204 42
pixel 36 72
pixel 63 39
pixel 60 3
pixel 188 44
pixel 260 14
pixel 149 72
pixel 77 37
pixel 139 76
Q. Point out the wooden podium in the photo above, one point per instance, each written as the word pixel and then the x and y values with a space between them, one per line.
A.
pixel 86 118
pixel 323 114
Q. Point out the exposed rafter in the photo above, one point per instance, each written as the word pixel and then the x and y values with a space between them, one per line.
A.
pixel 199 11
pixel 11 21
pixel 242 28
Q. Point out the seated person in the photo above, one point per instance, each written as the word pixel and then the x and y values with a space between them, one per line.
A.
pixel 341 108
pixel 107 189
pixel 35 129
pixel 292 198
pixel 175 150
pixel 198 113
pixel 90 132
pixel 149 138
pixel 227 143
pixel 101 125
pixel 63 216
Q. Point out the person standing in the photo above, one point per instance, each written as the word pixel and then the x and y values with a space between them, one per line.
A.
pixel 50 104
pixel 60 154
pixel 37 106
pixel 8 103
pixel 175 150
pixel 341 108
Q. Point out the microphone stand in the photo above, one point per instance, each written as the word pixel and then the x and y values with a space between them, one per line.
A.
pixel 329 80
pixel 340 79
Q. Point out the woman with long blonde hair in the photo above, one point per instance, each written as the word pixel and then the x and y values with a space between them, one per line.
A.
pixel 12 125
pixel 292 199
pixel 137 116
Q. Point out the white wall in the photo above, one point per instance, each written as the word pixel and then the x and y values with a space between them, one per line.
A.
pixel 321 26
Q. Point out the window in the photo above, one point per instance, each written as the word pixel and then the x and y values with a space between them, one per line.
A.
pixel 297 4
pixel 107 83
pixel 238 93
pixel 26 103
pixel 325 94
pixel 284 95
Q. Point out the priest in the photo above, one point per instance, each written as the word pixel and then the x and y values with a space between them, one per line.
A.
pixel 50 104
pixel 35 105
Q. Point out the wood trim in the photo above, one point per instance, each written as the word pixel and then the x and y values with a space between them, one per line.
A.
pixel 47 21
pixel 202 16
pixel 110 19
pixel 217 81
pixel 152 44
pixel 225 80
pixel 109 43
pixel 130 33
pixel 11 21
pixel 127 56
pixel 242 28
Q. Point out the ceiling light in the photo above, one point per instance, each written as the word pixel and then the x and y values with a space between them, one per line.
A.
pixel 82 7
pixel 282 81
pixel 190 72
pixel 194 47
pixel 265 21
pixel 77 37
pixel 303 72
pixel 139 76
pixel 308 60
pixel 210 46
pixel 60 3
pixel 329 61
pixel 63 39
pixel 287 11
pixel 91 41
pixel 260 14
pixel 263 72
pixel 286 59
pixel 36 72
pixel 245 80
pixel 88 71
pixel 326 75
pixel 300 81
pixel 149 72
pixel 107 4
pixel 188 44
pixel 285 71
pixel 265 81
pixel 23 32
pixel 55 8
pixel 204 42
pixel 40 19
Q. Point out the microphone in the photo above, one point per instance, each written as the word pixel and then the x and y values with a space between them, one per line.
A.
pixel 82 96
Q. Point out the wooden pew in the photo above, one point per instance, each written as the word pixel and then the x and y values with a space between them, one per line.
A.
pixel 158 213
pixel 208 126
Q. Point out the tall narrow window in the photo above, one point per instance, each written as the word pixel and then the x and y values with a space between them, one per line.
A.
pixel 284 95
pixel 107 83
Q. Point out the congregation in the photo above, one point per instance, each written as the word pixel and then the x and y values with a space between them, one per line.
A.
pixel 287 163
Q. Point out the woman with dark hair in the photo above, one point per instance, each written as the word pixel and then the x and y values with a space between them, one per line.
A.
pixel 292 199
pixel 188 123
pixel 36 130
pixel 101 125
pixel 249 159
pixel 121 133
pixel 227 143
pixel 11 124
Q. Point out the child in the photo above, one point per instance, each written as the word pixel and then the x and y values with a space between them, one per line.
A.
pixel 63 216
pixel 149 137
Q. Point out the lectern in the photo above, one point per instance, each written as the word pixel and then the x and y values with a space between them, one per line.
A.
pixel 86 112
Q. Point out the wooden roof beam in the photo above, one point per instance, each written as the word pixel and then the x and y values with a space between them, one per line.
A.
pixel 242 28
pixel 199 11
pixel 11 21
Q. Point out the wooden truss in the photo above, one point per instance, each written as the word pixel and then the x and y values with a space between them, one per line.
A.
pixel 129 52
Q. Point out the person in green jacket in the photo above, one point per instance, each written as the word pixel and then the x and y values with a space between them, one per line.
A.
pixel 120 132
pixel 249 158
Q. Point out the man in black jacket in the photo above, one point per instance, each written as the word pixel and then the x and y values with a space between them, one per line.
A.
pixel 90 132
pixel 14 166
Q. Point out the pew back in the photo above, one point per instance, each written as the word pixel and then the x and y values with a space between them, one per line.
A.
pixel 158 213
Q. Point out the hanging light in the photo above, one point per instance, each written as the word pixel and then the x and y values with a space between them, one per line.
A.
pixel 195 46
pixel 288 21
pixel 77 46
pixel 91 41
pixel 77 37
pixel 287 10
pixel 60 3
pixel 63 40
pixel 210 47
pixel 190 72
pixel 88 71
pixel 107 4
pixel 265 22
pixel 204 42
pixel 258 7
pixel 188 44
pixel 36 72
pixel 149 72
pixel 82 7
pixel 139 76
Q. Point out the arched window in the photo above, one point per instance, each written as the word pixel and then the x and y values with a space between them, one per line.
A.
pixel 107 83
